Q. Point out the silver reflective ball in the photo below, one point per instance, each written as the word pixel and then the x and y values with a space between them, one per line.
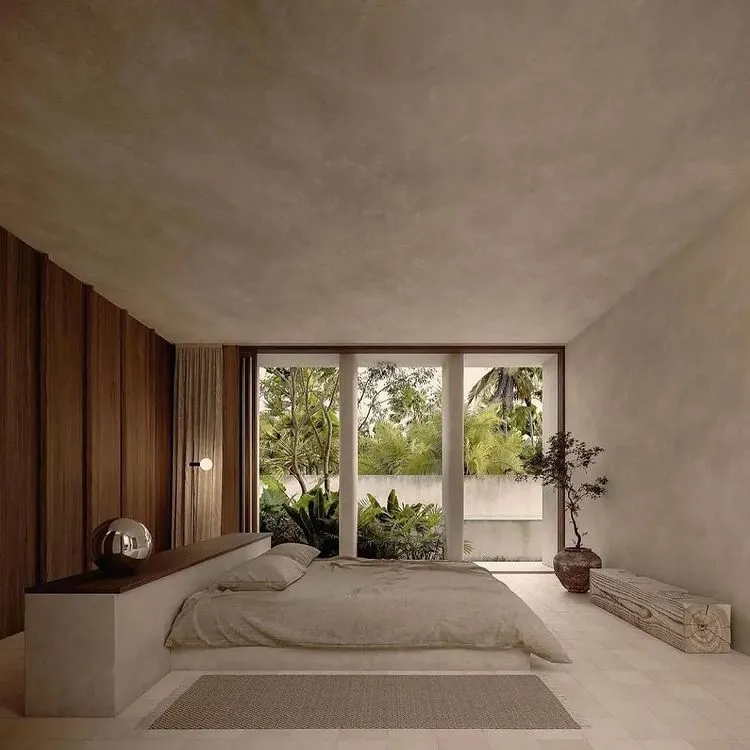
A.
pixel 120 546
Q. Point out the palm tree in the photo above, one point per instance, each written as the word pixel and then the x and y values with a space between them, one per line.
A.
pixel 507 386
pixel 486 451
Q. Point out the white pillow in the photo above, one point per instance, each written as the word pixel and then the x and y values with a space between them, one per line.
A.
pixel 304 554
pixel 263 573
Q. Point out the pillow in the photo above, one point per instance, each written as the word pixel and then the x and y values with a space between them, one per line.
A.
pixel 304 554
pixel 263 573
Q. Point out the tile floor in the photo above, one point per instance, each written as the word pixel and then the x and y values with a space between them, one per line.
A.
pixel 626 689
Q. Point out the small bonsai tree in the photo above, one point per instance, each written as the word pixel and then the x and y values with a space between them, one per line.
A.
pixel 556 467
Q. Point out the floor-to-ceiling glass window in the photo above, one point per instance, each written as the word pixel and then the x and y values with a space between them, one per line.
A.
pixel 503 423
pixel 400 457
pixel 298 448
pixel 403 455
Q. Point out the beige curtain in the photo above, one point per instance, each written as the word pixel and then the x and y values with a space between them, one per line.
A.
pixel 196 499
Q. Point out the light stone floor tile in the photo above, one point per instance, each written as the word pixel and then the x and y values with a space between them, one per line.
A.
pixel 455 739
pixel 628 691
pixel 355 744
pixel 519 743
pixel 286 740
pixel 176 743
pixel 412 739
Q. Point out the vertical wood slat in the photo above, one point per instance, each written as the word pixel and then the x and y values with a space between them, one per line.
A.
pixel 41 550
pixel 164 407
pixel 103 413
pixel 230 482
pixel 19 426
pixel 135 441
pixel 150 469
pixel 147 374
pixel 63 331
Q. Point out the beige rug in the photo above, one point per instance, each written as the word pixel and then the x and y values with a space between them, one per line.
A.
pixel 366 701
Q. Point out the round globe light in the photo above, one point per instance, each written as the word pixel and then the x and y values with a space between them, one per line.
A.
pixel 206 464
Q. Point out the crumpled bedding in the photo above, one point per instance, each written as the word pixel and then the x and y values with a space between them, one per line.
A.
pixel 353 603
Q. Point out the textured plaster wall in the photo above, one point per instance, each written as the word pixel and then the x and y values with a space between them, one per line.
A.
pixel 662 382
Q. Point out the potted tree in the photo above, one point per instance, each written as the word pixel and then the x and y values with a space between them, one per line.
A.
pixel 557 466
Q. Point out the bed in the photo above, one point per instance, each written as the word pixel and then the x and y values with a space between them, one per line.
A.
pixel 353 614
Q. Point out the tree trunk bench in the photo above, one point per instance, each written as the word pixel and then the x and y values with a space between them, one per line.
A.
pixel 693 624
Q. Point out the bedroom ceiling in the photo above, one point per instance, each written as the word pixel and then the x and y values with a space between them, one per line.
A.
pixel 326 171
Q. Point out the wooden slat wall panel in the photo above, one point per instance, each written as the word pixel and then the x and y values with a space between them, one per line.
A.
pixel 136 393
pixel 63 335
pixel 104 397
pixel 230 479
pixel 163 410
pixel 19 427
pixel 85 423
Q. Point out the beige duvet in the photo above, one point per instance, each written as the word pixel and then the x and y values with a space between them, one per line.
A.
pixel 342 603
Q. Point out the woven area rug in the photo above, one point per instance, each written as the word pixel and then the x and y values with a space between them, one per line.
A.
pixel 366 701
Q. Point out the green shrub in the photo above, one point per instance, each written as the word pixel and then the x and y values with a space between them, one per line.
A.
pixel 385 532
pixel 316 515
pixel 274 518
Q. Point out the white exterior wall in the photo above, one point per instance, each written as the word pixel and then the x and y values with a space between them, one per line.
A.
pixel 485 498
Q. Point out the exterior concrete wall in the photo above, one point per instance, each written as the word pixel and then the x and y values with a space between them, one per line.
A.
pixel 661 383
pixel 485 498
pixel 511 540
pixel 502 517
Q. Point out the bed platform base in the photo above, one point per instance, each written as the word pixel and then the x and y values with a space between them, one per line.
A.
pixel 261 659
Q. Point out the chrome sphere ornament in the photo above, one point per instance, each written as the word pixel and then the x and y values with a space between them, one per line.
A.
pixel 120 546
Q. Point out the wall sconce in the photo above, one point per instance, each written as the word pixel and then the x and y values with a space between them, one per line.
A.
pixel 205 464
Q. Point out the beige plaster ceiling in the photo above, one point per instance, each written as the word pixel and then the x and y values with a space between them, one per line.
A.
pixel 321 171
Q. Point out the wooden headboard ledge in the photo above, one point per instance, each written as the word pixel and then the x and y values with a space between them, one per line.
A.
pixel 160 565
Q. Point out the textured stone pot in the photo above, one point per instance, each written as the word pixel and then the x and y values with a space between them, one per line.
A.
pixel 572 568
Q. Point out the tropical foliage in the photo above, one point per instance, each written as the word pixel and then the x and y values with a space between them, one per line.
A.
pixel 400 422
pixel 316 515
pixel 299 428
pixel 489 449
pixel 274 519
pixel 401 532
pixel 395 395
pixel 392 531
pixel 516 391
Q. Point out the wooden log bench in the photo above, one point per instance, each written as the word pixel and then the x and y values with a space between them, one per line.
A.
pixel 693 624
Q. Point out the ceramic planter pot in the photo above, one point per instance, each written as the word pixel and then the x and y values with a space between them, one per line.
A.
pixel 572 567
